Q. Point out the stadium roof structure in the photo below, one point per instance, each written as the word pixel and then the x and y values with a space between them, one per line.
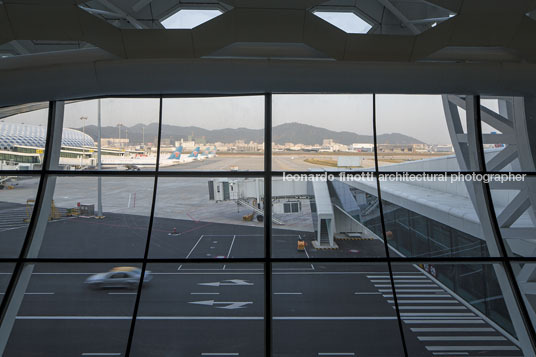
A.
pixel 14 134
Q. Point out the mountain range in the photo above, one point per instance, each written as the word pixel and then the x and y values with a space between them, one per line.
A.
pixel 296 133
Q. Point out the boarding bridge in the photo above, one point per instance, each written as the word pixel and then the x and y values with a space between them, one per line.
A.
pixel 325 219
pixel 245 190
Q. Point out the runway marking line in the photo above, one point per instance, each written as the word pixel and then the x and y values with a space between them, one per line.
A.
pixel 231 247
pixel 366 293
pixel 70 317
pixel 472 348
pixel 191 251
pixel 452 329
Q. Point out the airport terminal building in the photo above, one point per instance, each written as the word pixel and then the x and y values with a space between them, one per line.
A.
pixel 267 178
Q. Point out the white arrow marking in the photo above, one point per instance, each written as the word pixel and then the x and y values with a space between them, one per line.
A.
pixel 234 282
pixel 231 305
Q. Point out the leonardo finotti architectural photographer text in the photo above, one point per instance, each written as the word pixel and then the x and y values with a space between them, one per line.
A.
pixel 407 177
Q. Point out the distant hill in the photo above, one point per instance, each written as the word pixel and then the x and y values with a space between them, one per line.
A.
pixel 296 133
pixel 311 135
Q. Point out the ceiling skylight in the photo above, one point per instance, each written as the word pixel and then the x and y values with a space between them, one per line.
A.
pixel 349 22
pixel 189 18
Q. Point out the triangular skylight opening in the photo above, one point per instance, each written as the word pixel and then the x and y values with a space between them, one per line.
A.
pixel 190 18
pixel 349 22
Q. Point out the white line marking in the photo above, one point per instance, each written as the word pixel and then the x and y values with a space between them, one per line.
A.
pixel 230 305
pixel 306 253
pixel 211 273
pixel 322 273
pixel 442 318
pixel 461 307
pixel 406 285
pixel 199 240
pixel 443 321
pixel 461 338
pixel 180 266
pixel 218 271
pixel 417 295
pixel 202 269
pixel 437 314
pixel 237 269
pixel 412 290
pixel 472 348
pixel 452 329
pixel 231 247
pixel 334 318
pixel 232 282
pixel 398 276
pixel 140 318
pixel 401 281
pixel 287 293
pixel 423 301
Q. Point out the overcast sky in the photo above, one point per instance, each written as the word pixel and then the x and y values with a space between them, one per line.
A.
pixel 418 116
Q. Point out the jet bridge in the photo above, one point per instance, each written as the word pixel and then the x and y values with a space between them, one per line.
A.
pixel 248 190
pixel 325 219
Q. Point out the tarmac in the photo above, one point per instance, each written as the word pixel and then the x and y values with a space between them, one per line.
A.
pixel 216 309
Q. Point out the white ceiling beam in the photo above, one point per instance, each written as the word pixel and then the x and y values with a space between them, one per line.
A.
pixel 101 12
pixel 514 209
pixel 399 15
pixel 503 158
pixel 121 12
pixel 140 5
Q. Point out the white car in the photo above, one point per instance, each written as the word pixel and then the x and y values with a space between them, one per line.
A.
pixel 119 277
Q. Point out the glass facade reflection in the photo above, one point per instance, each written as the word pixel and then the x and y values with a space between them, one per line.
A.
pixel 174 229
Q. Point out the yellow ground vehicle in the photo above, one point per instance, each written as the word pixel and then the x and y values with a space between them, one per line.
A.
pixel 301 245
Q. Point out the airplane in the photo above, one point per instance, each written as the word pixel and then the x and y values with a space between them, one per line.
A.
pixel 194 155
pixel 212 153
pixel 205 154
pixel 176 155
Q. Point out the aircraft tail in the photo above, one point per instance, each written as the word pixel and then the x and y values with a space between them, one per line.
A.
pixel 176 155
pixel 195 152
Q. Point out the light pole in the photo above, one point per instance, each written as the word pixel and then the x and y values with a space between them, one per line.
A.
pixel 99 163
pixel 83 119
pixel 119 133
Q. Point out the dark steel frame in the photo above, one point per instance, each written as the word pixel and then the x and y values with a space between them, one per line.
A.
pixel 267 260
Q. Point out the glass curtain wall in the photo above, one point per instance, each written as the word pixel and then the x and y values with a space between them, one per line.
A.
pixel 265 225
